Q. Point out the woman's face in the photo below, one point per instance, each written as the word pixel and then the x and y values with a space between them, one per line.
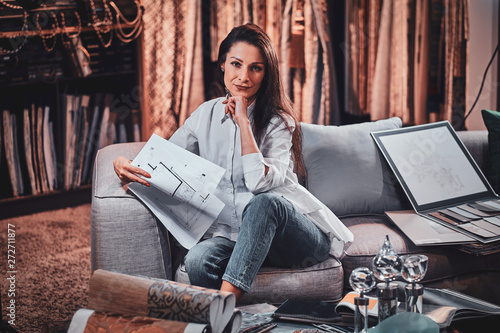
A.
pixel 244 70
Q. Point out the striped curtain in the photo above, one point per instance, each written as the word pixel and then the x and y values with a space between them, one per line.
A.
pixel 407 58
pixel 172 64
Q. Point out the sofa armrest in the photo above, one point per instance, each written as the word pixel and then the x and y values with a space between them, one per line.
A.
pixel 125 236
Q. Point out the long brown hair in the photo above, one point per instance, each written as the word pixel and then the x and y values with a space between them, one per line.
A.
pixel 271 99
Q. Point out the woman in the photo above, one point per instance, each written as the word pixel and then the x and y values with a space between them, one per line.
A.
pixel 253 134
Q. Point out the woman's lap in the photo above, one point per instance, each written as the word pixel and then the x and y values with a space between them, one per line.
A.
pixel 272 228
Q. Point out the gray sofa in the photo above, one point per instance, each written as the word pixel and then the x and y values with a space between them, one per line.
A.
pixel 346 172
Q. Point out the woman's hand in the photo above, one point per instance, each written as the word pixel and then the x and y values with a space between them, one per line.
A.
pixel 129 173
pixel 236 107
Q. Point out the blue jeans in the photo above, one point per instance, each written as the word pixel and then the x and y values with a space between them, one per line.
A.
pixel 271 228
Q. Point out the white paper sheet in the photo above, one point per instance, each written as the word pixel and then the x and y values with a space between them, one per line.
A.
pixel 181 191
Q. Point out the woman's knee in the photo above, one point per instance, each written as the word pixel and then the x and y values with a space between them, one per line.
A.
pixel 195 258
pixel 265 213
pixel 265 202
pixel 205 262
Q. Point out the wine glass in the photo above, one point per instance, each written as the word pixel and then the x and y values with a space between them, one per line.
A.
pixel 414 269
pixel 362 280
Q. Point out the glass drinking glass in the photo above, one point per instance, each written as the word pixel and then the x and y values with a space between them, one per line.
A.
pixel 362 280
pixel 414 269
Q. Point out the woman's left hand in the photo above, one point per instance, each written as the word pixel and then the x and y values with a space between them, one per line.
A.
pixel 236 107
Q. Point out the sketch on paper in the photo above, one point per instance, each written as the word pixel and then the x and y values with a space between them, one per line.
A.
pixel 181 193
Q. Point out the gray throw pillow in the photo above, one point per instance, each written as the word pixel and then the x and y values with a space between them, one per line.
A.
pixel 347 172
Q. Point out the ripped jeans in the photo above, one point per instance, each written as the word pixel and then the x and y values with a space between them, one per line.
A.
pixel 271 228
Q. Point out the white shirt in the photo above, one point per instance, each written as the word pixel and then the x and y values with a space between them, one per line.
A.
pixel 212 135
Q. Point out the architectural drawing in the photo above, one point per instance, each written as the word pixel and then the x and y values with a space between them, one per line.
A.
pixel 181 193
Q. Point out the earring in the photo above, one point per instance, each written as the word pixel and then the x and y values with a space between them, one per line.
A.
pixel 222 69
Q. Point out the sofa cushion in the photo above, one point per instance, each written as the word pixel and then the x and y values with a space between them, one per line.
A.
pixel 346 171
pixel 323 281
pixel 492 121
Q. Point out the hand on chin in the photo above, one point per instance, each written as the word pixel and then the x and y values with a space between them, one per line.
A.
pixel 236 107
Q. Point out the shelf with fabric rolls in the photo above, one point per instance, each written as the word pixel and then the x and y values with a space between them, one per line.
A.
pixel 64 95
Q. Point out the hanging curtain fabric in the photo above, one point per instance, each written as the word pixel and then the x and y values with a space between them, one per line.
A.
pixel 298 29
pixel 301 57
pixel 172 64
pixel 363 23
pixel 389 95
pixel 307 66
pixel 457 34
pixel 173 60
pixel 407 58
pixel 421 61
pixel 227 14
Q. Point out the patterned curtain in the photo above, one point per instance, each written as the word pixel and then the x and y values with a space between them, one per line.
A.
pixel 172 64
pixel 363 26
pixel 307 65
pixel 390 79
pixel 173 56
pixel 407 58
pixel 456 35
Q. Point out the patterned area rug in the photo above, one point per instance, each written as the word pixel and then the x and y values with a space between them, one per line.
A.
pixel 52 266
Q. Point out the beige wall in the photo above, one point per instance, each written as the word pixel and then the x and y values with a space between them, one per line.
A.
pixel 483 25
